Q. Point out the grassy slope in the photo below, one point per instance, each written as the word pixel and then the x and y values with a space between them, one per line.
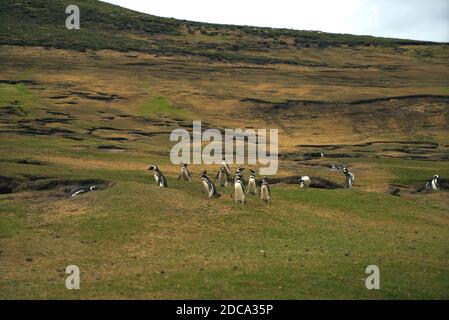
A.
pixel 136 241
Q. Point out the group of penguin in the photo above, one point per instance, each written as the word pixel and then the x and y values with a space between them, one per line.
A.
pixel 241 187
pixel 223 178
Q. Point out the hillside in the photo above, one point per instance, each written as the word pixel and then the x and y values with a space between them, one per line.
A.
pixel 96 106
pixel 109 27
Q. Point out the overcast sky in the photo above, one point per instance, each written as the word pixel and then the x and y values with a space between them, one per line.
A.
pixel 406 19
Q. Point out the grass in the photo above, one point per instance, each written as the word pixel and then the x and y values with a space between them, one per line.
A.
pixel 17 94
pixel 160 106
pixel 11 226
pixel 213 250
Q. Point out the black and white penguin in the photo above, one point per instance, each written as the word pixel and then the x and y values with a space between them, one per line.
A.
pixel 265 193
pixel 226 167
pixel 239 189
pixel 433 184
pixel 239 173
pixel 349 182
pixel 76 192
pixel 222 176
pixel 304 182
pixel 336 167
pixel 160 179
pixel 208 186
pixel 252 186
pixel 185 174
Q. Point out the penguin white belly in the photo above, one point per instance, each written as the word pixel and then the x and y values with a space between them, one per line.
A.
pixel 434 185
pixel 156 177
pixel 264 193
pixel 305 182
pixel 349 180
pixel 352 180
pixel 185 175
pixel 205 186
pixel 211 192
pixel 239 194
pixel 222 179
pixel 252 188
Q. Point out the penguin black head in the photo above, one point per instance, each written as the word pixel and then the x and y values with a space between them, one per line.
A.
pixel 345 170
pixel 153 168
pixel 204 173
pixel 264 180
pixel 251 171
pixel 184 165
pixel 240 169
pixel 436 177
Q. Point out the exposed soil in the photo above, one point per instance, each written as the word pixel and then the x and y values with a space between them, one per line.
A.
pixel 42 183
pixel 315 182
pixel 110 147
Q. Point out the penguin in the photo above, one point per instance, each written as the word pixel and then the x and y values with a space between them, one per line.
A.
pixel 433 184
pixel 239 189
pixel 226 167
pixel 185 174
pixel 336 167
pixel 79 191
pixel 349 182
pixel 239 173
pixel 252 186
pixel 304 182
pixel 222 176
pixel 265 193
pixel 208 186
pixel 240 170
pixel 161 181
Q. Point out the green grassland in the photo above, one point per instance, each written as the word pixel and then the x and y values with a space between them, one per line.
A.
pixel 100 103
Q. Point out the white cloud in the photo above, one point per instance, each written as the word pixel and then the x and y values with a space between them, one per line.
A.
pixel 410 19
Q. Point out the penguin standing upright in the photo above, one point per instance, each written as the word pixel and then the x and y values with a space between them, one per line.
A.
pixel 226 167
pixel 222 176
pixel 239 173
pixel 209 186
pixel 161 181
pixel 252 186
pixel 239 189
pixel 185 174
pixel 265 193
pixel 349 182
pixel 304 182
pixel 433 184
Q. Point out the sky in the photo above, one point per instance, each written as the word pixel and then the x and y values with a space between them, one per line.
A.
pixel 405 19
